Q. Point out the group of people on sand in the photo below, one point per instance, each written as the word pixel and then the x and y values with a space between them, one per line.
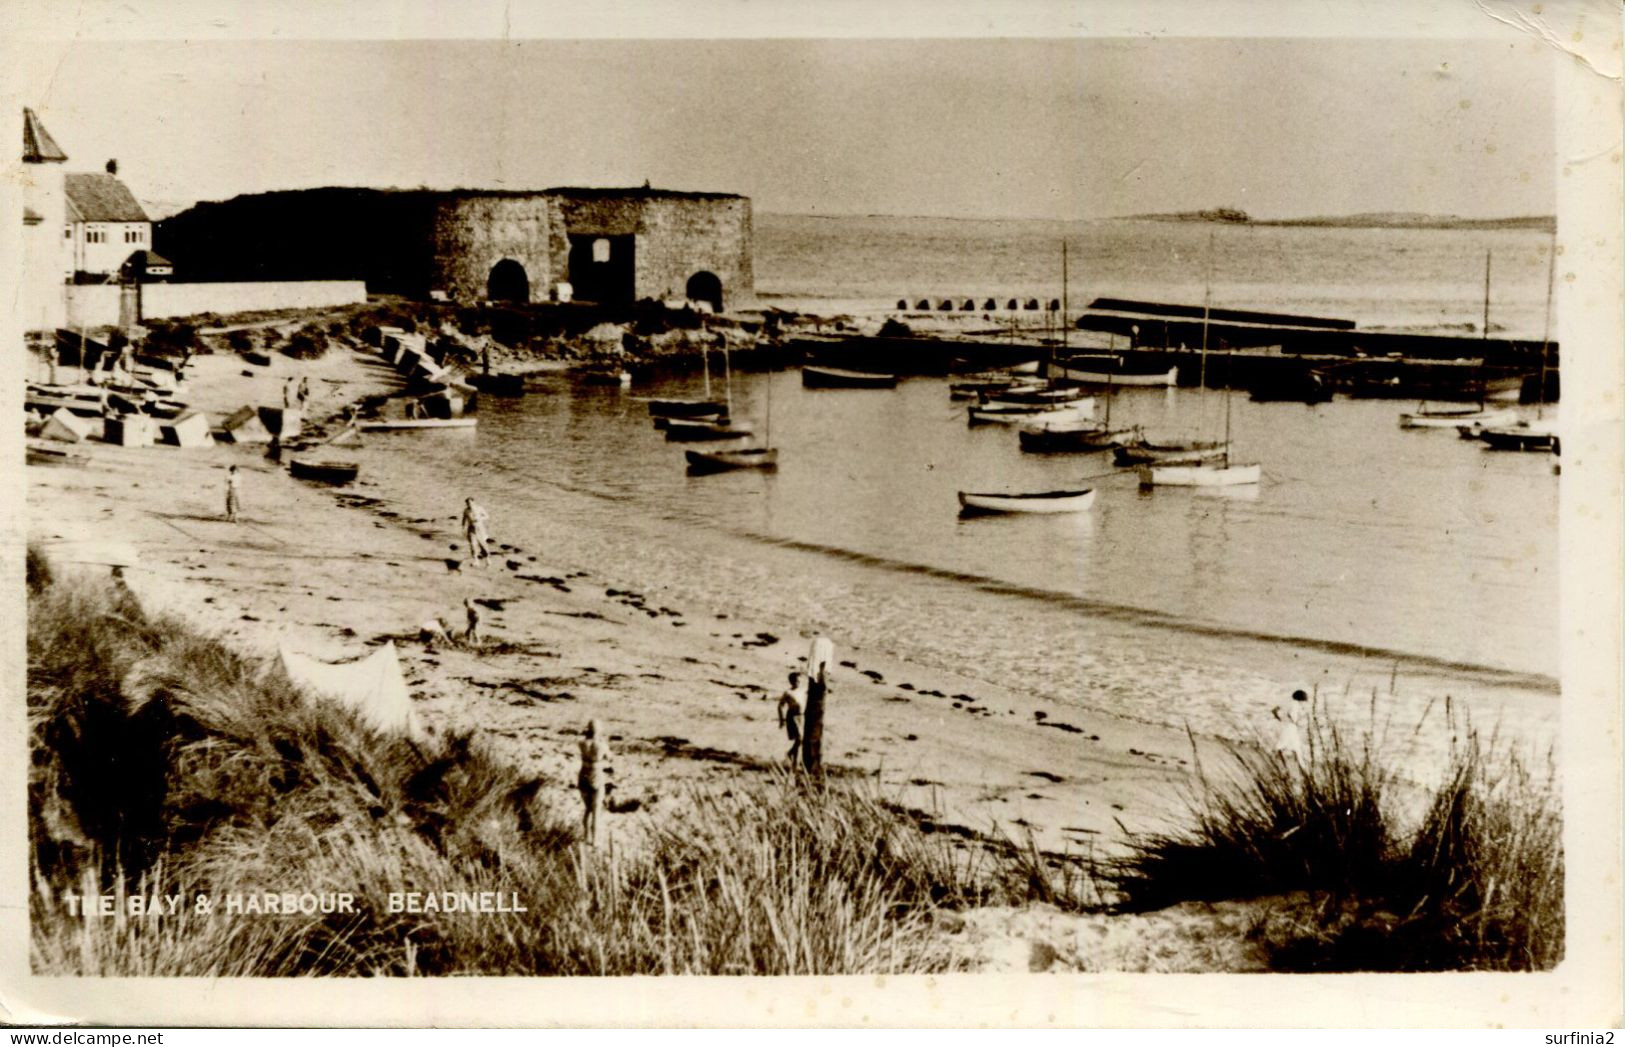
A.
pixel 806 691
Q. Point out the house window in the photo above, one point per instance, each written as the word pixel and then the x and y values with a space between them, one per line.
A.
pixel 600 251
pixel 67 232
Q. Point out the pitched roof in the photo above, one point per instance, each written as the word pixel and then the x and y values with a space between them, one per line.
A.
pixel 31 216
pixel 147 259
pixel 38 145
pixel 101 198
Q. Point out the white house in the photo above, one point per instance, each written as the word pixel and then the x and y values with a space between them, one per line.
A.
pixel 44 257
pixel 105 225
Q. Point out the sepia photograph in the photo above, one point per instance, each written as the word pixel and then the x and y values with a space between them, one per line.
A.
pixel 1045 493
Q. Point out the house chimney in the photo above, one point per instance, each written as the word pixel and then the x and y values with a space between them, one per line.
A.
pixel 112 167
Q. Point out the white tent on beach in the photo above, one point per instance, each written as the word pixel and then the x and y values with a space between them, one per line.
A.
pixel 189 430
pixel 65 426
pixel 372 686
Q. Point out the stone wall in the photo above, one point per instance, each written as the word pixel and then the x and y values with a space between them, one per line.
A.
pixel 680 237
pixel 97 305
pixel 473 233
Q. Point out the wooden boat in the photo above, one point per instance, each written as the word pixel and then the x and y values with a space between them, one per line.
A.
pixel 816 377
pixel 1217 473
pixel 976 386
pixel 1143 452
pixel 1071 436
pixel 977 502
pixel 379 425
pixel 1047 395
pixel 1455 418
pixel 1112 369
pixel 683 430
pixel 39 454
pixel 326 472
pixel 1537 435
pixel 1033 414
pixel 258 359
pixel 739 458
pixel 687 409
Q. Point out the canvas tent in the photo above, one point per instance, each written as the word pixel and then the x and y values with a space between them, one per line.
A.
pixel 372 687
pixel 66 426
pixel 243 426
pixel 189 430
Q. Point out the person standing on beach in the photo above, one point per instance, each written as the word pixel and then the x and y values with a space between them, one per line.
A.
pixel 1291 717
pixel 594 754
pixel 304 391
pixel 790 703
pixel 474 521
pixel 234 494
pixel 819 658
pixel 473 612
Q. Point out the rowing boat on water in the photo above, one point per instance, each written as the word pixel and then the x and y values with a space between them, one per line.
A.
pixel 741 458
pixel 816 377
pixel 1076 501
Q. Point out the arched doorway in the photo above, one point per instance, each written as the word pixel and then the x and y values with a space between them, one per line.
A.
pixel 705 287
pixel 507 282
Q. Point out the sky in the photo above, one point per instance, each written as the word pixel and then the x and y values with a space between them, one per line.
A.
pixel 1043 128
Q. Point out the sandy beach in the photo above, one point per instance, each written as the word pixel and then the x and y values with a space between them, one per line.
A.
pixel 686 694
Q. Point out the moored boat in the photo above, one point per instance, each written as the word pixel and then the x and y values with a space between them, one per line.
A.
pixel 1537 435
pixel 1113 369
pixel 1013 414
pixel 739 458
pixel 1073 501
pixel 1455 418
pixel 818 377
pixel 326 472
pixel 682 430
pixel 1143 452
pixel 1078 435
pixel 1220 472
pixel 687 408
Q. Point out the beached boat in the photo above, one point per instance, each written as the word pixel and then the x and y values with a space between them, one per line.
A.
pixel 1032 414
pixel 976 502
pixel 379 425
pixel 325 472
pixel 1112 369
pixel 740 458
pixel 39 454
pixel 816 377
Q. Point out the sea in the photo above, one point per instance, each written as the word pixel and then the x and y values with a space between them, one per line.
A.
pixel 1407 579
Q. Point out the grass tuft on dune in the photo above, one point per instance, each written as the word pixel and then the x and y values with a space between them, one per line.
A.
pixel 1363 871
pixel 166 763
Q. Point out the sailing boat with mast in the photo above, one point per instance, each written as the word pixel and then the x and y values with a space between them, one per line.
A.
pixel 764 457
pixel 1458 417
pixel 716 427
pixel 1049 402
pixel 706 408
pixel 1219 471
pixel 1539 433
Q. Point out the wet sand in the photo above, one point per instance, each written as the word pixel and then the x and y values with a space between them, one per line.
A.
pixel 686 694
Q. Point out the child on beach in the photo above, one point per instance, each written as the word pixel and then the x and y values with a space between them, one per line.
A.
pixel 593 753
pixel 473 613
pixel 790 703
pixel 474 521
pixel 233 494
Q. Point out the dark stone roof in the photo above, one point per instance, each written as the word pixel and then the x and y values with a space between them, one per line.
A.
pixel 31 216
pixel 148 260
pixel 101 198
pixel 38 145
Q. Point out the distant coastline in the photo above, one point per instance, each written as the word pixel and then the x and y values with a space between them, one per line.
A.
pixel 1367 220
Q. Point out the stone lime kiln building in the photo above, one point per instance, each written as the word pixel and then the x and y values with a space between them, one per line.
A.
pixel 609 246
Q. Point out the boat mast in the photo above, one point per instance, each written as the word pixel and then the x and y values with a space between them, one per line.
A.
pixel 1207 303
pixel 705 362
pixel 1486 338
pixel 728 378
